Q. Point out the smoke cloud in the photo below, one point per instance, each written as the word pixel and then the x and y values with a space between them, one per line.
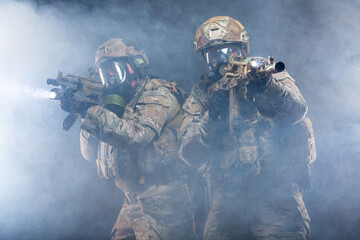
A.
pixel 48 191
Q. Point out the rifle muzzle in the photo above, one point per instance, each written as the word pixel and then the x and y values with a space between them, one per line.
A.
pixel 279 66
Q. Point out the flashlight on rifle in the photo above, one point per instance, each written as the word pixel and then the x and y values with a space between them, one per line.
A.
pixel 56 94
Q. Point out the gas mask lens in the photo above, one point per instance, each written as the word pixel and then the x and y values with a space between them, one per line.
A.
pixel 112 74
pixel 220 54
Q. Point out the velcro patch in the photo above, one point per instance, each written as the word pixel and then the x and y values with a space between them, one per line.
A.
pixel 155 99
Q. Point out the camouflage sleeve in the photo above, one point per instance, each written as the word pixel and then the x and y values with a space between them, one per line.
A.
pixel 153 110
pixel 88 146
pixel 196 133
pixel 282 100
pixel 156 107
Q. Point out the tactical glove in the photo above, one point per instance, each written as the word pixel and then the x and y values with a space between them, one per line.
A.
pixel 72 105
pixel 258 86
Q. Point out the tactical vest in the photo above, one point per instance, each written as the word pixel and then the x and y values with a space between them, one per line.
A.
pixel 264 145
pixel 134 171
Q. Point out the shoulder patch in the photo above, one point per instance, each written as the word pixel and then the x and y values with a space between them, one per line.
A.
pixel 156 107
pixel 158 97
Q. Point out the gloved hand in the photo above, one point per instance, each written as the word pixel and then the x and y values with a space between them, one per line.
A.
pixel 218 103
pixel 68 104
pixel 258 86
pixel 72 105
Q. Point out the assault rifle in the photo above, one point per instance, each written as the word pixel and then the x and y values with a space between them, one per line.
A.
pixel 78 92
pixel 238 73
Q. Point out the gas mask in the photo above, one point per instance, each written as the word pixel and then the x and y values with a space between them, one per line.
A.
pixel 120 77
pixel 217 57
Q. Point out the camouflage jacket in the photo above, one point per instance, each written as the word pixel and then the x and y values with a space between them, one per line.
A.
pixel 139 149
pixel 267 143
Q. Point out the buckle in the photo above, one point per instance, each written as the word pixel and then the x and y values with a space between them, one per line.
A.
pixel 130 197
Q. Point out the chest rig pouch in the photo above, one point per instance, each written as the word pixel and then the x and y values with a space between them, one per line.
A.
pixel 266 146
pixel 283 146
pixel 123 167
pixel 301 144
pixel 106 161
pixel 301 149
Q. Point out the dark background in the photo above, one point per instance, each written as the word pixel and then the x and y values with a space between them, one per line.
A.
pixel 47 191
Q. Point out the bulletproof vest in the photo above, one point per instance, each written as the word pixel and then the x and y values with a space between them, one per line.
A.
pixel 134 171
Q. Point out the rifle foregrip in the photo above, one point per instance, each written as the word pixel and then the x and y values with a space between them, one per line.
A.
pixel 70 120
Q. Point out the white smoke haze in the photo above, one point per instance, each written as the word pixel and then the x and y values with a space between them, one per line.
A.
pixel 48 191
pixel 41 166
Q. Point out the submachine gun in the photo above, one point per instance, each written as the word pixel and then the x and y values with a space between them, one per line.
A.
pixel 238 73
pixel 79 92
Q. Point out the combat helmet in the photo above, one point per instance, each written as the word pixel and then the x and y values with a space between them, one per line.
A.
pixel 221 30
pixel 116 54
pixel 115 48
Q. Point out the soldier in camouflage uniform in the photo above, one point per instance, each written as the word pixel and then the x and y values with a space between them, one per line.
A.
pixel 256 179
pixel 133 138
